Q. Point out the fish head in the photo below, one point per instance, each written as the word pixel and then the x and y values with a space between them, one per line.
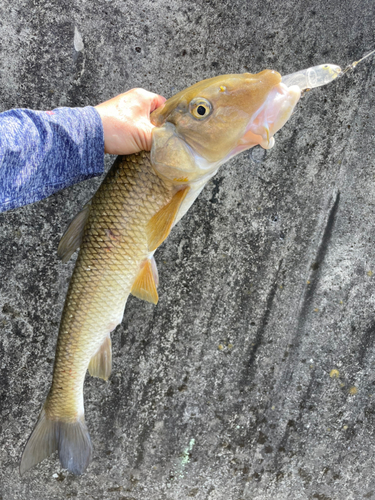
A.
pixel 203 126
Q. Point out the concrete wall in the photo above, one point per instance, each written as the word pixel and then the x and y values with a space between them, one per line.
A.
pixel 225 389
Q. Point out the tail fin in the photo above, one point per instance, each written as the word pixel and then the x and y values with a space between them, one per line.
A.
pixel 72 440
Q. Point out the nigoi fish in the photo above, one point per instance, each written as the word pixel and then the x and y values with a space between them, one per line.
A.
pixel 142 197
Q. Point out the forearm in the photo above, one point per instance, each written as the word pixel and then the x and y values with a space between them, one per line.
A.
pixel 42 152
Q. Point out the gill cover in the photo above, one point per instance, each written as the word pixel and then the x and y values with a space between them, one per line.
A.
pixel 171 156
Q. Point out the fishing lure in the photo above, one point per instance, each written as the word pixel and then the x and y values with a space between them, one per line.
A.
pixel 317 76
pixel 305 80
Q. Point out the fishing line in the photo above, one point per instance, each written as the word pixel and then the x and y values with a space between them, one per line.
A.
pixel 354 64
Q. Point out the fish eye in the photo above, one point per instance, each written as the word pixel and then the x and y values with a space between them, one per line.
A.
pixel 200 107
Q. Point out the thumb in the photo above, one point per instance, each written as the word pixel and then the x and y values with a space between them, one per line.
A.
pixel 144 134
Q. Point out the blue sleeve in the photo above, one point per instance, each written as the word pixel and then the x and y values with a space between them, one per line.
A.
pixel 44 151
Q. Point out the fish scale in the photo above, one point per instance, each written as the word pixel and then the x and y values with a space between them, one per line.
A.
pixel 106 268
pixel 113 247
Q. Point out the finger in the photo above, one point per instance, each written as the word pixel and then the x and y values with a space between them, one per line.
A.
pixel 157 101
pixel 144 136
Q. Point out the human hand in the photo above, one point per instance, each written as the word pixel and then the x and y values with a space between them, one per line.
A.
pixel 126 121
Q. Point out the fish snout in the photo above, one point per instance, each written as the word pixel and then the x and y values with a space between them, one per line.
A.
pixel 271 116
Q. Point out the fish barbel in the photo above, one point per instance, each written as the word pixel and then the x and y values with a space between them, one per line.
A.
pixel 132 213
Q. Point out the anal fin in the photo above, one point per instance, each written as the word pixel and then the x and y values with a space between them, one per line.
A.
pixel 72 238
pixel 144 286
pixel 160 225
pixel 101 363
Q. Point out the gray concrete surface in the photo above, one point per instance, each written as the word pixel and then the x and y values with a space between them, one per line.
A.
pixel 225 389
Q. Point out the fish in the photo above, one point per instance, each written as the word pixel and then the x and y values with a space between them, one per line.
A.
pixel 143 196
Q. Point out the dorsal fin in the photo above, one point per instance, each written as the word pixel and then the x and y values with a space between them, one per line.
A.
pixel 160 225
pixel 72 238
pixel 144 286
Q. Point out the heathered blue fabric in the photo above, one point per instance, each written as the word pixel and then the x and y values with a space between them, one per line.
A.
pixel 44 151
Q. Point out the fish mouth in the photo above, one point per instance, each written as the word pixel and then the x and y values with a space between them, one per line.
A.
pixel 269 118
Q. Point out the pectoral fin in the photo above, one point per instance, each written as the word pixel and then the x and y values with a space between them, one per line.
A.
pixel 101 363
pixel 160 225
pixel 144 287
pixel 72 238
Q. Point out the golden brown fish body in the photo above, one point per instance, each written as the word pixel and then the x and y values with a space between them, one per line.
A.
pixel 114 247
pixel 132 213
